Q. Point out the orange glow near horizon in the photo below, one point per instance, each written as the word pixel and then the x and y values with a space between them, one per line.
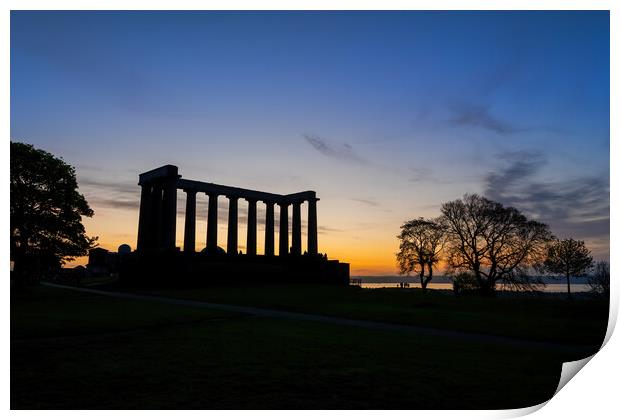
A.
pixel 363 236
pixel 369 253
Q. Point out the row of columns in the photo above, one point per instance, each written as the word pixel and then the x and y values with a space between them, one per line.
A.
pixel 233 209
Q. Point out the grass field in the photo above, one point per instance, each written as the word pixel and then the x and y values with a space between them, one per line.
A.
pixel 77 350
pixel 544 317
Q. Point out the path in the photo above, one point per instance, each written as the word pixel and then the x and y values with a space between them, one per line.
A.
pixel 375 325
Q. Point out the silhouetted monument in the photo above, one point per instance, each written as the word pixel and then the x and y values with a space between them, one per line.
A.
pixel 156 245
pixel 158 213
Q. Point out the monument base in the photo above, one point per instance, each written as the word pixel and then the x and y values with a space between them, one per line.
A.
pixel 178 269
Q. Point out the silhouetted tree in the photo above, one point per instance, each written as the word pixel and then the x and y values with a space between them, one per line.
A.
pixel 421 242
pixel 569 258
pixel 493 242
pixel 599 281
pixel 46 213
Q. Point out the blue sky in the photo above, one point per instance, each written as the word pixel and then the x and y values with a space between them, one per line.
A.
pixel 385 114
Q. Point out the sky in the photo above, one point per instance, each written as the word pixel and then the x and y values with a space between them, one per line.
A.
pixel 385 115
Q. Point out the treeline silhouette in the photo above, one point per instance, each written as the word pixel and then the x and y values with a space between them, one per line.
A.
pixel 483 244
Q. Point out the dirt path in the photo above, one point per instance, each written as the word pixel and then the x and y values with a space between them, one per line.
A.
pixel 383 326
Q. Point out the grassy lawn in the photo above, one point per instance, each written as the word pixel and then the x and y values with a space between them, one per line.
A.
pixel 49 312
pixel 74 350
pixel 544 318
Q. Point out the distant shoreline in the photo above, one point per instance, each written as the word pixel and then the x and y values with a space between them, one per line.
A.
pixel 446 280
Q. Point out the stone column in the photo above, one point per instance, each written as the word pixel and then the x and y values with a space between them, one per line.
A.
pixel 296 242
pixel 231 247
pixel 156 232
pixel 144 221
pixel 312 227
pixel 212 224
pixel 269 234
pixel 169 225
pixel 283 229
pixel 251 242
pixel 189 240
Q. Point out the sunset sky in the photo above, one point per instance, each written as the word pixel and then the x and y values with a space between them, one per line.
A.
pixel 384 114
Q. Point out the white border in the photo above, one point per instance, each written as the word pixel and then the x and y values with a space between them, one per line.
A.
pixel 591 394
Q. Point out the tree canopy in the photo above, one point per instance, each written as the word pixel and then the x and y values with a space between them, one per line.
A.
pixel 46 212
pixel 568 257
pixel 495 243
pixel 421 241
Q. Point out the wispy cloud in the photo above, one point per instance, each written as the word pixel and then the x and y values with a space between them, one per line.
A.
pixel 345 152
pixel 421 174
pixel 113 203
pixel 125 187
pixel 424 174
pixel 518 166
pixel 110 194
pixel 574 207
pixel 366 201
pixel 481 116
pixel 334 150
pixel 326 229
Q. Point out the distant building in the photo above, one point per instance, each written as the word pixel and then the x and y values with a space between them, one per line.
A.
pixel 103 262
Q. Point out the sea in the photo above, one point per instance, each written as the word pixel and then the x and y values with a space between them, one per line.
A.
pixel 553 284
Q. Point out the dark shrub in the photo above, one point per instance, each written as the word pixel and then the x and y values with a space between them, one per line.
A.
pixel 464 283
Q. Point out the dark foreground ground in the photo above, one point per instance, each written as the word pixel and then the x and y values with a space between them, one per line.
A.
pixel 78 350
